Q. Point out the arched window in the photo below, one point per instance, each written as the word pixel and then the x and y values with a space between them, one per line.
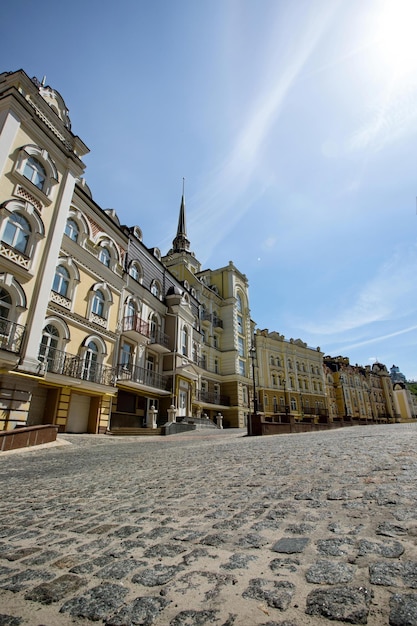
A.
pixel 35 172
pixel 5 304
pixel 61 281
pixel 135 271
pixel 98 303
pixel 155 289
pixel 239 305
pixel 71 229
pixel 91 365
pixel 184 341
pixel 49 345
pixel 17 232
pixel 104 256
pixel 271 360
pixel 153 327
pixel 130 315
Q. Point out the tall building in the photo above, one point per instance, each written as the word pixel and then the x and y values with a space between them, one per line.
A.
pixel 220 351
pixel 97 331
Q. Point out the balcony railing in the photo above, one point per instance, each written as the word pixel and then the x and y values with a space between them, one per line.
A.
pixel 11 335
pixel 211 397
pixel 217 322
pixel 135 323
pixel 75 366
pixel 141 375
pixel 158 337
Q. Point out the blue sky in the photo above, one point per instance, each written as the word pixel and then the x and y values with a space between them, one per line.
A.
pixel 294 123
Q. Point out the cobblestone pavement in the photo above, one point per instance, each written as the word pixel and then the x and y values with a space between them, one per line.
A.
pixel 212 528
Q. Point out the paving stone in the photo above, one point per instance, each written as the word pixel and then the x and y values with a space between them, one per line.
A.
pixel 276 594
pixel 158 575
pixel 142 612
pixel 387 574
pixel 55 590
pixel 290 545
pixel 403 610
pixel 18 581
pixel 390 550
pixel 238 561
pixel 119 569
pixel 98 603
pixel 290 565
pixel 334 547
pixel 10 620
pixel 344 604
pixel 164 550
pixel 193 618
pixel 330 572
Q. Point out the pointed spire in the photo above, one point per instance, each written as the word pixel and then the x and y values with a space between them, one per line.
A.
pixel 181 243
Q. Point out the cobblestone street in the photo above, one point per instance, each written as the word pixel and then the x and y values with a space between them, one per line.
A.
pixel 212 528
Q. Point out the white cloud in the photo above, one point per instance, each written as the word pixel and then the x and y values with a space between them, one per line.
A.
pixel 390 294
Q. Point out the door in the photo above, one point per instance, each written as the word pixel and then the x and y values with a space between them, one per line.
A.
pixel 78 414
pixel 182 403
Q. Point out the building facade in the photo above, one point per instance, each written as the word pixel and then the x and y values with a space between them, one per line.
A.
pixel 98 332
pixel 289 378
pixel 357 393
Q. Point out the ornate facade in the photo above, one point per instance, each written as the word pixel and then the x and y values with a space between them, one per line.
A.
pixel 100 333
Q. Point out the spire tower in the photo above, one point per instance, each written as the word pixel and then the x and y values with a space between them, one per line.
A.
pixel 181 242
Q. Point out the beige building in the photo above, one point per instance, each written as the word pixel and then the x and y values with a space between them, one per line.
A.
pixel 357 393
pixel 218 356
pixel 98 331
pixel 289 379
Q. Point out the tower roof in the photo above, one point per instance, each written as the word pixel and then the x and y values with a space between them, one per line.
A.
pixel 181 242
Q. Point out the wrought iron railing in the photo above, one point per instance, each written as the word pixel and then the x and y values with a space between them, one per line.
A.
pixel 11 335
pixel 141 375
pixel 76 366
pixel 211 397
pixel 135 323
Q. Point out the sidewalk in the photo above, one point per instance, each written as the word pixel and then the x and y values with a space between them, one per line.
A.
pixel 212 528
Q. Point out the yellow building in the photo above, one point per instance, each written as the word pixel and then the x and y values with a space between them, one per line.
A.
pixel 289 378
pixel 219 357
pixel 358 393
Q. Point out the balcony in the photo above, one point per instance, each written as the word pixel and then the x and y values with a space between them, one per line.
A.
pixel 134 374
pixel 74 366
pixel 11 335
pixel 134 324
pixel 158 339
pixel 211 397
pixel 217 322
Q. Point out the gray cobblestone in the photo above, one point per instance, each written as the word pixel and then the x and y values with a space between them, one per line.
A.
pixel 291 530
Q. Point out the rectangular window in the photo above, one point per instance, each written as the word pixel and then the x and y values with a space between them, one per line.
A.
pixel 242 368
pixel 240 324
pixel 241 346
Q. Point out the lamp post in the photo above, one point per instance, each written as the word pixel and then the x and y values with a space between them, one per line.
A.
pixel 252 353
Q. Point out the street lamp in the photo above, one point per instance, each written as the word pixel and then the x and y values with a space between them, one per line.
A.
pixel 252 354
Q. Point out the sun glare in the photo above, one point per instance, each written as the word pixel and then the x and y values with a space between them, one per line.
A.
pixel 395 35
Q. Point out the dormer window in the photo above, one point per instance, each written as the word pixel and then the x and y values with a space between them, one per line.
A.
pixel 155 289
pixel 71 229
pixel 104 256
